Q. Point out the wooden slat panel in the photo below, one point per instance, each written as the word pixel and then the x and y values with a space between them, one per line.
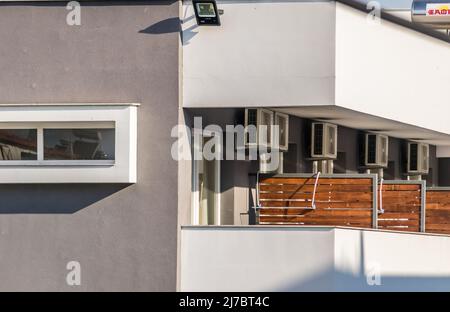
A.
pixel 356 222
pixel 341 196
pixel 310 188
pixel 438 206
pixel 401 228
pixel 339 201
pixel 402 207
pixel 338 219
pixel 322 181
pixel 438 212
pixel 319 204
pixel 399 222
pixel 401 187
pixel 319 212
pixel 397 216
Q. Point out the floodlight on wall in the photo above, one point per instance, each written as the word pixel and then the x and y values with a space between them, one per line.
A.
pixel 206 12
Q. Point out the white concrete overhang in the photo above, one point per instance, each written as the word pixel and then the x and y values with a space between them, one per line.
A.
pixel 357 120
pixel 393 72
pixel 322 59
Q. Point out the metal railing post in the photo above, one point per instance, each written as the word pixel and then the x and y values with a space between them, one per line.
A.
pixel 423 203
pixel 375 201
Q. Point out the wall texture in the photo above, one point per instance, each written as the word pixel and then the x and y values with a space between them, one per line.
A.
pixel 382 76
pixel 444 166
pixel 124 236
pixel 312 259
pixel 282 54
pixel 254 259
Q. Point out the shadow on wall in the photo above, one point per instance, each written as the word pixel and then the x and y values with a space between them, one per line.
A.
pixel 172 25
pixel 167 26
pixel 53 198
pixel 365 280
pixel 339 281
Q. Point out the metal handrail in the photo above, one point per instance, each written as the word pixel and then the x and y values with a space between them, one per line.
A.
pixel 381 210
pixel 313 203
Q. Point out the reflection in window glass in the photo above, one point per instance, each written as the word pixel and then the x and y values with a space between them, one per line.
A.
pixel 18 144
pixel 79 144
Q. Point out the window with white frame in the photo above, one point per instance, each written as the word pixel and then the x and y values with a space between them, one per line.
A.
pixel 63 143
pixel 68 143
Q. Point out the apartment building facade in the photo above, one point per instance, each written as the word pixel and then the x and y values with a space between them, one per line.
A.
pixel 359 76
pixel 97 181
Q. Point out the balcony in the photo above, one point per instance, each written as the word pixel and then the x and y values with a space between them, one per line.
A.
pixel 353 200
pixel 338 232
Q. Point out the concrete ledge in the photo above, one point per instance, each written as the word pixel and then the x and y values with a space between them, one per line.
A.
pixel 310 258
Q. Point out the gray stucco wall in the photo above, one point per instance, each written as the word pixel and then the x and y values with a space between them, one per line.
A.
pixel 124 236
pixel 444 167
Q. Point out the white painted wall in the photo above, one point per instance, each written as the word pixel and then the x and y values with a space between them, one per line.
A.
pixel 276 53
pixel 307 259
pixel 391 71
pixel 254 259
pixel 308 53
pixel 404 262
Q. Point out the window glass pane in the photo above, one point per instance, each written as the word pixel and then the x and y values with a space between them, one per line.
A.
pixel 206 10
pixel 79 144
pixel 18 144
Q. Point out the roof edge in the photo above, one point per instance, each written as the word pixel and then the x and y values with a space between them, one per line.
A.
pixel 399 21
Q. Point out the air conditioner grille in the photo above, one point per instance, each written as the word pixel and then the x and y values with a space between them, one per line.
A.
pixel 252 117
pixel 413 165
pixel 318 139
pixel 372 149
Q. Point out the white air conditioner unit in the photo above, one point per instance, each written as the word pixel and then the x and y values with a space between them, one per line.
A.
pixel 282 121
pixel 418 158
pixel 262 120
pixel 324 141
pixel 376 150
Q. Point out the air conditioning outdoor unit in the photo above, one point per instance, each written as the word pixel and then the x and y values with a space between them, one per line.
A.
pixel 376 150
pixel 262 119
pixel 324 141
pixel 282 121
pixel 418 158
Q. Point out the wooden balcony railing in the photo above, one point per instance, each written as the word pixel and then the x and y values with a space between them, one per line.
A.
pixel 352 200
pixel 345 200
pixel 438 210
pixel 401 205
